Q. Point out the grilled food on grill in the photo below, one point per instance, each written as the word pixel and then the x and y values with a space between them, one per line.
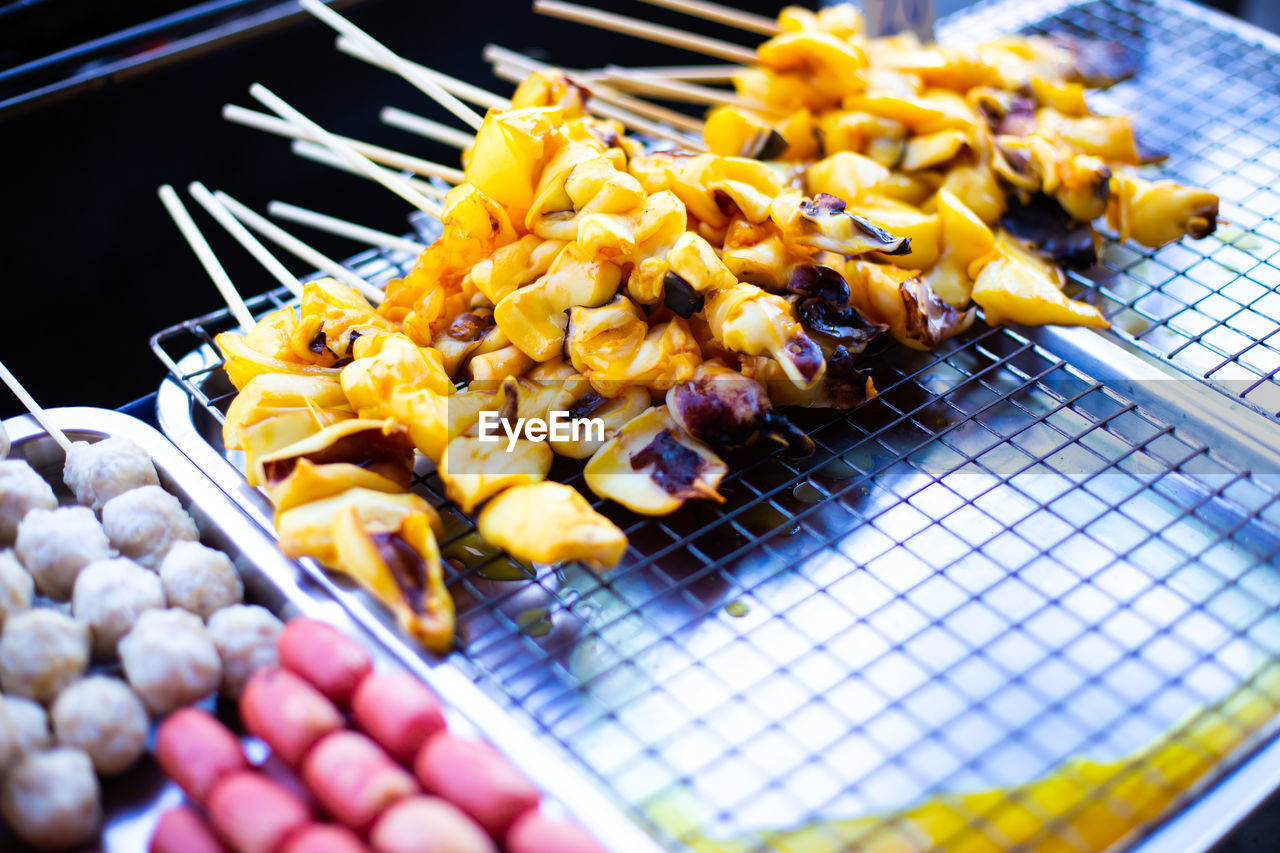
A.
pixel 857 191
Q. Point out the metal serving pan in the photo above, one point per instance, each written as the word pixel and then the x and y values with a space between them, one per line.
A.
pixel 1032 549
pixel 134 802
pixel 1000 552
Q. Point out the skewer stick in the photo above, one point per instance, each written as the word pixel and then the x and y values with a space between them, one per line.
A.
pixel 678 120
pixel 629 120
pixel 387 178
pixel 343 228
pixel 428 85
pixel 721 14
pixel 376 153
pixel 673 90
pixel 292 244
pixel 187 225
pixel 700 73
pixel 41 416
pixel 426 127
pixel 513 66
pixel 645 30
pixel 201 194
pixel 461 88
pixel 319 154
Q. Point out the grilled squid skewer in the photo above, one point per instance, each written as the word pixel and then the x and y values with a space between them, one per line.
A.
pixel 653 466
pixel 401 568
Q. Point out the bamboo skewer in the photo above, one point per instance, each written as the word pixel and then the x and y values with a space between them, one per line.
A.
pixel 281 273
pixel 700 73
pixel 645 109
pixel 343 228
pixel 514 67
pixel 672 90
pixel 428 85
pixel 319 154
pixel 630 120
pixel 645 30
pixel 37 412
pixel 461 88
pixel 515 74
pixel 721 14
pixel 294 246
pixel 187 225
pixel 387 178
pixel 426 127
pixel 376 153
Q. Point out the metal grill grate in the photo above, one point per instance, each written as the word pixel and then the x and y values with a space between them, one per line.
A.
pixel 996 568
pixel 1210 95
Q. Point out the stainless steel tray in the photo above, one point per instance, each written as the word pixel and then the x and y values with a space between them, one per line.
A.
pixel 135 801
pixel 1032 548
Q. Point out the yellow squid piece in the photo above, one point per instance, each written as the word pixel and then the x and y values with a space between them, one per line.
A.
pixel 652 466
pixel 533 317
pixel 476 467
pixel 1015 286
pixel 307 530
pixel 401 568
pixel 615 348
pixel 551 523
pixel 278 409
pixel 751 321
pixel 371 454
pixel 1158 212
pixel 904 301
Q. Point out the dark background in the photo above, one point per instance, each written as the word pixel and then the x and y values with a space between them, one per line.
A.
pixel 92 264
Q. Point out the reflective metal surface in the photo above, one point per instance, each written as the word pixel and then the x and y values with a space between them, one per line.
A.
pixel 1005 568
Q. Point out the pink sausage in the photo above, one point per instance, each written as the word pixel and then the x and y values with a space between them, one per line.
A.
pixel 533 832
pixel 475 778
pixel 353 779
pixel 334 663
pixel 195 750
pixel 255 814
pixel 398 711
pixel 428 825
pixel 181 830
pixel 324 838
pixel 286 712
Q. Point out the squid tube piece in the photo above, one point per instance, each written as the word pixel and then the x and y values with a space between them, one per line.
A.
pixel 1015 286
pixel 401 568
pixel 747 320
pixel 904 301
pixel 653 466
pixel 551 523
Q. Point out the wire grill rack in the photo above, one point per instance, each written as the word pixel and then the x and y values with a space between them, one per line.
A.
pixel 994 569
pixel 1209 94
